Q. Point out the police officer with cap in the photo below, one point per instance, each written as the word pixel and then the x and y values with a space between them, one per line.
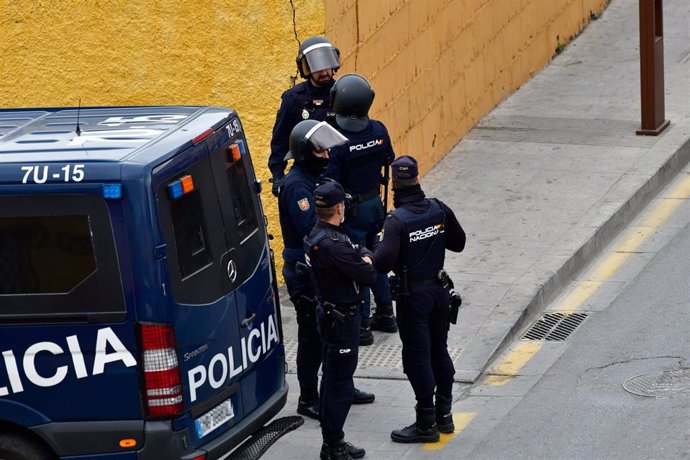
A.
pixel 358 166
pixel 337 268
pixel 415 237
pixel 317 61
pixel 309 144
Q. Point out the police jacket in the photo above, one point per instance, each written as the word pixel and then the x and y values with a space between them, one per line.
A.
pixel 416 235
pixel 303 101
pixel 357 164
pixel 336 267
pixel 297 212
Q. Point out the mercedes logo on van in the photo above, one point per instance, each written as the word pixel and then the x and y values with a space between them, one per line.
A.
pixel 232 271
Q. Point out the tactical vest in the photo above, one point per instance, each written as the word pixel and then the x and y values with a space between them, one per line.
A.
pixel 336 292
pixel 423 241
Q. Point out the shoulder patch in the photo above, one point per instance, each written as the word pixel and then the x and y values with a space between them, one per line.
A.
pixel 303 204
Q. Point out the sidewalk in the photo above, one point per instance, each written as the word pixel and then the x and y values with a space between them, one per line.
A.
pixel 545 180
pixel 540 185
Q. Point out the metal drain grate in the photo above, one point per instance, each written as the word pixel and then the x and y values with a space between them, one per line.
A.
pixel 664 384
pixel 388 356
pixel 555 326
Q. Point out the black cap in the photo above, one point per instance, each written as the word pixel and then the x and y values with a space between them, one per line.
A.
pixel 404 167
pixel 328 194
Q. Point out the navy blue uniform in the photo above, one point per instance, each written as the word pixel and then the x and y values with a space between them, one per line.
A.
pixel 297 217
pixel 415 236
pixel 302 102
pixel 337 269
pixel 357 165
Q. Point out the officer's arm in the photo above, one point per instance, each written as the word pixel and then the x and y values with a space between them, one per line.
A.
pixel 390 154
pixel 281 137
pixel 334 163
pixel 300 202
pixel 387 251
pixel 350 264
pixel 455 235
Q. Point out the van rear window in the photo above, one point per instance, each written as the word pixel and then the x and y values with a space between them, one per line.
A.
pixel 241 193
pixel 58 260
pixel 44 254
pixel 190 233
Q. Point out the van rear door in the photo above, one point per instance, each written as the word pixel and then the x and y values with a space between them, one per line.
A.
pixel 245 231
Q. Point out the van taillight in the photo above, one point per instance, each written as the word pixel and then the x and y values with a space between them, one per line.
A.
pixel 162 381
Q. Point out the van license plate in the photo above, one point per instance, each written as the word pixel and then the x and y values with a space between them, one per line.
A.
pixel 214 418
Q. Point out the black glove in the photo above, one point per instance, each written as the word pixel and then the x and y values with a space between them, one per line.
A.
pixel 277 183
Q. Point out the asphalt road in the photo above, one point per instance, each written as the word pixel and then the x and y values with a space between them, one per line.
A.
pixel 569 400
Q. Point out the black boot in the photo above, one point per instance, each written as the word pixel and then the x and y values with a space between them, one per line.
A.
pixel 362 397
pixel 383 319
pixel 365 336
pixel 423 430
pixel 308 408
pixel 444 416
pixel 340 451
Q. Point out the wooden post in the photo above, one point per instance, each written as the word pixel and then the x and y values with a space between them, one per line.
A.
pixel 652 67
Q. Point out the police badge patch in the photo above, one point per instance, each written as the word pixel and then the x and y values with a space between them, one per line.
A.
pixel 303 204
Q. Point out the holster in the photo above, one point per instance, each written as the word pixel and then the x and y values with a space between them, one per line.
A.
pixel 399 288
pixel 339 320
pixel 454 299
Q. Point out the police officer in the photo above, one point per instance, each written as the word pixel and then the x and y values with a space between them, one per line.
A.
pixel 337 268
pixel 309 144
pixel 317 62
pixel 358 166
pixel 415 237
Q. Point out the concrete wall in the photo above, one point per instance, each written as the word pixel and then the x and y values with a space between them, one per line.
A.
pixel 238 54
pixel 438 66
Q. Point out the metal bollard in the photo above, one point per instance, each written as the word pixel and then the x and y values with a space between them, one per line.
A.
pixel 652 67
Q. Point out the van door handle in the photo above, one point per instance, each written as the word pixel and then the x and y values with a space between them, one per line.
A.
pixel 247 321
pixel 232 270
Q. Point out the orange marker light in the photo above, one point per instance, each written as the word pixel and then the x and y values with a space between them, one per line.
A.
pixel 235 153
pixel 187 184
pixel 127 443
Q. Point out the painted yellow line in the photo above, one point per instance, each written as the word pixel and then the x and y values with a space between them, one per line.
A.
pixel 461 420
pixel 602 271
pixel 522 353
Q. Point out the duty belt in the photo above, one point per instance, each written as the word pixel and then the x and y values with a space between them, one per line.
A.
pixel 423 281
pixel 369 194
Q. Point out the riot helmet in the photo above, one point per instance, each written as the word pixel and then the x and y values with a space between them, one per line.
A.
pixel 317 54
pixel 310 136
pixel 351 99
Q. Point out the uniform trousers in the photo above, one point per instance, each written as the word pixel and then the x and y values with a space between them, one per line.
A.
pixel 423 327
pixel 308 338
pixel 337 384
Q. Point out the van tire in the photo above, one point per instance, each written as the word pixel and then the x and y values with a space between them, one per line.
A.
pixel 16 446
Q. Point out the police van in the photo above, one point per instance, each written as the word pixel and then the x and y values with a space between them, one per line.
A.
pixel 139 315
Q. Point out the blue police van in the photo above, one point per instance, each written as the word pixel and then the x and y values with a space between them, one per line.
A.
pixel 139 315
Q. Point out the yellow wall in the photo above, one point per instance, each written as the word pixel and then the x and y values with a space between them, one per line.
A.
pixel 238 54
pixel 438 66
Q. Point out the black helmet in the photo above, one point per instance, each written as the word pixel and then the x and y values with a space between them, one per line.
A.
pixel 310 135
pixel 316 54
pixel 351 99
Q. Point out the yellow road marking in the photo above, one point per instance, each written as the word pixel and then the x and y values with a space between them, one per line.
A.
pixel 602 271
pixel 461 420
pixel 522 353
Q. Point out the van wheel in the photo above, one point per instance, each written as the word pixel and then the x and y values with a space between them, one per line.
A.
pixel 15 446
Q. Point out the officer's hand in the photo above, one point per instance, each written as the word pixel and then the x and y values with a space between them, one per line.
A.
pixel 368 260
pixel 277 183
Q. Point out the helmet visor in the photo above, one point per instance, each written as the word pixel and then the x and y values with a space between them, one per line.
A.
pixel 323 137
pixel 321 56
